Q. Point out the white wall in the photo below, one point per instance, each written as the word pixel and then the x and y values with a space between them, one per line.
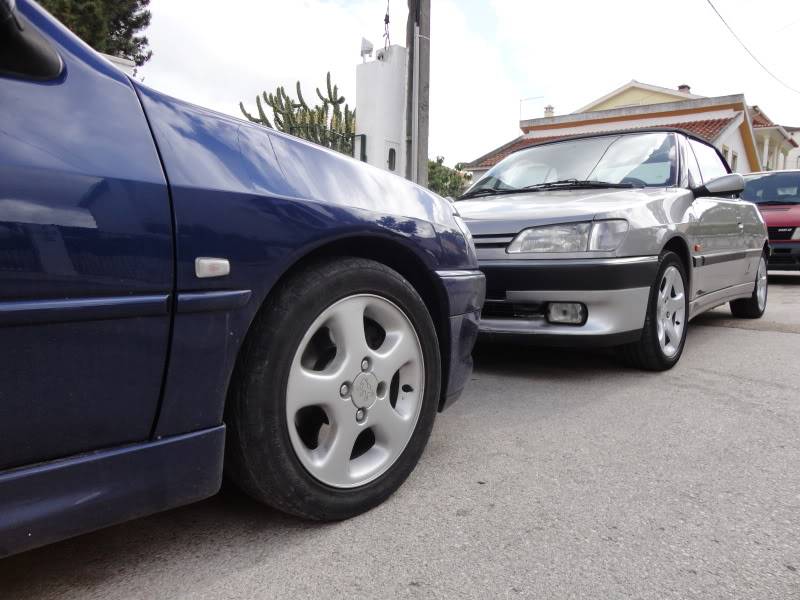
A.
pixel 733 140
pixel 793 158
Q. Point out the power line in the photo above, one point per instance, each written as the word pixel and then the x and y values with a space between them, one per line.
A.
pixel 753 56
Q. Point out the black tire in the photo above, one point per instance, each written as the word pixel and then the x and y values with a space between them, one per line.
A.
pixel 260 458
pixel 646 353
pixel 748 308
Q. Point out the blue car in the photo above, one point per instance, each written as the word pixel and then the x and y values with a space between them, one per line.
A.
pixel 182 292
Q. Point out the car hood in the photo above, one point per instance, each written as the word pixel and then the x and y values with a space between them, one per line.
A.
pixel 785 215
pixel 509 213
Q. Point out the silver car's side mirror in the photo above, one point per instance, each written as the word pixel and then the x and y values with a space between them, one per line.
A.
pixel 727 185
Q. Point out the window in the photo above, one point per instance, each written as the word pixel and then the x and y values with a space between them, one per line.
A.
pixel 647 159
pixel 734 161
pixel 773 188
pixel 695 180
pixel 726 153
pixel 711 166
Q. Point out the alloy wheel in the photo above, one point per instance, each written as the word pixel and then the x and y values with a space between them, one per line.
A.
pixel 355 391
pixel 671 311
pixel 761 284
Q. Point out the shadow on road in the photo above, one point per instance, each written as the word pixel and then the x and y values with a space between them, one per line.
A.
pixel 784 278
pixel 514 358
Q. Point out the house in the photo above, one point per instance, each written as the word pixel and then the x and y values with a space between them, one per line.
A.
pixel 793 158
pixel 747 138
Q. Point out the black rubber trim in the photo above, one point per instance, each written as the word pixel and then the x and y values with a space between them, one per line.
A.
pixel 29 312
pixel 562 341
pixel 704 261
pixel 527 275
pixel 191 302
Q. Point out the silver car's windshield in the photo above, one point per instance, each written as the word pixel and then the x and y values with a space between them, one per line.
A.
pixel 640 160
pixel 773 188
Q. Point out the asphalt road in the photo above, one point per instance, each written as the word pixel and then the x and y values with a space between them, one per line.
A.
pixel 560 474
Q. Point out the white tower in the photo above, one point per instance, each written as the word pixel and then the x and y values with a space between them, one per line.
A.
pixel 380 108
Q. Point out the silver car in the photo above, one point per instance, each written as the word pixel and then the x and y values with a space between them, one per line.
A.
pixel 616 240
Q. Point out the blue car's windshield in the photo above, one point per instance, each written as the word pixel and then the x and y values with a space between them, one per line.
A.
pixel 646 159
pixel 773 188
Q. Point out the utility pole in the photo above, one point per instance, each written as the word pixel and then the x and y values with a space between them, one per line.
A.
pixel 418 42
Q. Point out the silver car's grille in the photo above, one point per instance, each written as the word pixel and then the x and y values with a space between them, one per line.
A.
pixel 492 240
pixel 781 233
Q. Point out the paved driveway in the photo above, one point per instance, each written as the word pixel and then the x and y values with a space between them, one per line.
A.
pixel 559 475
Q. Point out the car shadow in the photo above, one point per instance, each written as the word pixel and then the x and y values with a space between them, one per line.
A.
pixel 784 278
pixel 512 358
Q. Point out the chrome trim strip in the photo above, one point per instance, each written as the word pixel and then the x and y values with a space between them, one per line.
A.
pixel 560 262
pixel 460 274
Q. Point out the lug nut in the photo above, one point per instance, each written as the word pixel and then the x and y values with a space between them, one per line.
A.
pixel 365 364
pixel 344 390
pixel 360 415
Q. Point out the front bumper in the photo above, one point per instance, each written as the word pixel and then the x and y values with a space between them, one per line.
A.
pixel 615 292
pixel 465 291
pixel 784 256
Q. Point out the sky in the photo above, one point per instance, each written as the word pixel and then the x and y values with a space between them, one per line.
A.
pixel 491 60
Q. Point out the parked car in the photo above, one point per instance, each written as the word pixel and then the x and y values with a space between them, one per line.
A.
pixel 180 289
pixel 617 240
pixel 777 195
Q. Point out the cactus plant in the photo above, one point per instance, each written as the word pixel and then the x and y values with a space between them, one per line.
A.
pixel 331 124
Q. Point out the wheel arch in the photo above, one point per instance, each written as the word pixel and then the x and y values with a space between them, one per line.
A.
pixel 390 251
pixel 679 246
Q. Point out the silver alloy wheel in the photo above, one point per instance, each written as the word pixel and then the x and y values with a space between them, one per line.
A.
pixel 671 311
pixel 355 390
pixel 761 284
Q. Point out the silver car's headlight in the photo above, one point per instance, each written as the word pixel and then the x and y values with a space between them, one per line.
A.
pixel 571 237
pixel 607 235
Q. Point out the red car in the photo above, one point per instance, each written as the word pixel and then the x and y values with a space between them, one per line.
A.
pixel 777 194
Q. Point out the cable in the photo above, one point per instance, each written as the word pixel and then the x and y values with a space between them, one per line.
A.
pixel 753 56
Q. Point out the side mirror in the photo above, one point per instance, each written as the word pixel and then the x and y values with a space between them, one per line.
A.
pixel 727 185
pixel 7 8
pixel 24 52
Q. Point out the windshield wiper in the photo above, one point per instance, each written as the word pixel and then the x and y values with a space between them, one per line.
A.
pixel 488 192
pixel 550 185
pixel 576 183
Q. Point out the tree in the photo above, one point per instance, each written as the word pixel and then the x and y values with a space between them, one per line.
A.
pixel 325 124
pixel 109 26
pixel 446 181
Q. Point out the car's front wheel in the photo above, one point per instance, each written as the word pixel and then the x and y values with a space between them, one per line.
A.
pixel 664 333
pixel 336 393
pixel 754 306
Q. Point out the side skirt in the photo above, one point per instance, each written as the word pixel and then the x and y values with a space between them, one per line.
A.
pixel 713 299
pixel 52 501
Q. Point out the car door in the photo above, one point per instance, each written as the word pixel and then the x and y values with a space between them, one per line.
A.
pixel 86 257
pixel 716 231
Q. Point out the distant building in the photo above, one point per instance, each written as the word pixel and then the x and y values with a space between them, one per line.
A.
pixel 747 138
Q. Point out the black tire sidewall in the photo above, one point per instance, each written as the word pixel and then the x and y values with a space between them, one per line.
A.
pixel 274 472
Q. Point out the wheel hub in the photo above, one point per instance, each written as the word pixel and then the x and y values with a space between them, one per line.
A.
pixel 365 390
